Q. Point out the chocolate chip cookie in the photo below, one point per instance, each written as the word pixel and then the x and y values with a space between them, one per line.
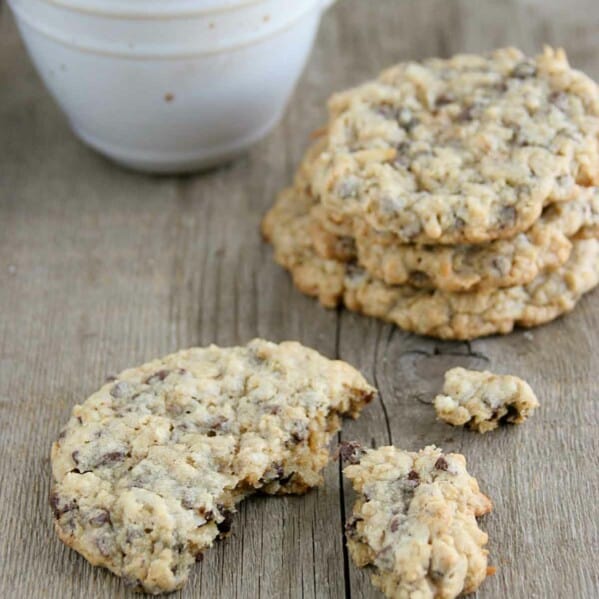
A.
pixel 442 314
pixel 149 469
pixel 415 522
pixel 460 150
pixel 500 263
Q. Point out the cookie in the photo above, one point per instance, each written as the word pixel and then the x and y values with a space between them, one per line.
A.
pixel 443 314
pixel 482 401
pixel 463 150
pixel 415 522
pixel 500 263
pixel 149 469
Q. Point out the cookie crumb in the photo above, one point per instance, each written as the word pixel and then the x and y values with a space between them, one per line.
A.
pixel 482 401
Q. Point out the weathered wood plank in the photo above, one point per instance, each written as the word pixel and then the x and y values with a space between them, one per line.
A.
pixel 102 269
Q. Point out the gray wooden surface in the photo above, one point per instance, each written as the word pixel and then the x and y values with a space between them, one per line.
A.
pixel 102 269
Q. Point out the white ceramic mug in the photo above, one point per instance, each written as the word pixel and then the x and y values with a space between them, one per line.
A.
pixel 170 86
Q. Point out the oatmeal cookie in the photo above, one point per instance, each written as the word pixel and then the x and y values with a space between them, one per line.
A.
pixel 460 150
pixel 500 263
pixel 148 470
pixel 443 314
pixel 482 401
pixel 415 522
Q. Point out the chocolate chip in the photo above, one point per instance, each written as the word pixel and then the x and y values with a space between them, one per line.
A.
pixel 351 452
pixel 276 473
pixel 298 437
pixel 55 500
pixel 394 524
pixel 441 464
pixel 199 557
pixel 467 114
pixel 158 376
pixel 351 526
pixel 413 475
pixel 507 216
pixel 458 223
pixel 75 456
pixel 219 424
pixel 119 390
pixel 368 396
pixel 224 526
pixel 102 518
pixel 436 575
pixel 62 434
pixel 501 264
pixel 419 278
pixel 299 432
pixel 285 479
pixel 187 503
pixel 111 458
pixel 443 100
pixel 524 70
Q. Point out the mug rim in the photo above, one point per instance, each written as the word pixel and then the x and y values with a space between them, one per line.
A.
pixel 144 9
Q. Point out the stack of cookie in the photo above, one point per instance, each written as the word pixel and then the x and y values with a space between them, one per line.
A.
pixel 455 198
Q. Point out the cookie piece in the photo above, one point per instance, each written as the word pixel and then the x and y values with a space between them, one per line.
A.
pixel 463 150
pixel 415 523
pixel 482 401
pixel 149 469
pixel 442 314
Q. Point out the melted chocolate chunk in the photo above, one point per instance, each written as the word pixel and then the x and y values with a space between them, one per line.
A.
pixel 350 452
pixel 413 475
pixel 102 518
pixel 224 526
pixel 158 376
pixel 111 458
pixel 57 509
pixel 441 464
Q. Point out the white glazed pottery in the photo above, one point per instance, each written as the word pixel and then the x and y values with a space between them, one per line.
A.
pixel 170 85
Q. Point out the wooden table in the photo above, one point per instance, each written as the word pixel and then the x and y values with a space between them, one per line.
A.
pixel 102 269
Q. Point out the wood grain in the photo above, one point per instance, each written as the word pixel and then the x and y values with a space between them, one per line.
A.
pixel 102 269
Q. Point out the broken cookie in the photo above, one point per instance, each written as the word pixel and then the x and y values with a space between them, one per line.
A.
pixel 149 469
pixel 415 522
pixel 483 400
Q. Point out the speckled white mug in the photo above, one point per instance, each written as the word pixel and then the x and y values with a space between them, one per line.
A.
pixel 170 86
